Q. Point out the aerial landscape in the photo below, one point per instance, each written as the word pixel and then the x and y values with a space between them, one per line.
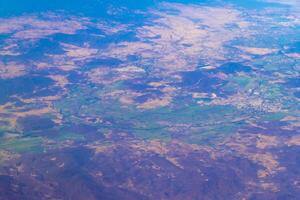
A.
pixel 150 100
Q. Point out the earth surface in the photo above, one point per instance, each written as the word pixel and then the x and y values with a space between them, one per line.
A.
pixel 149 100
